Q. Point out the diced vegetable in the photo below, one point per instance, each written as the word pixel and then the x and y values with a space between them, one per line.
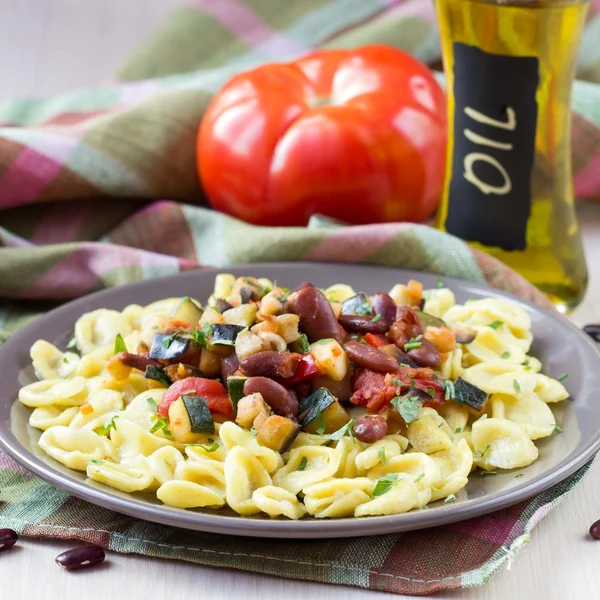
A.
pixel 248 343
pixel 322 413
pixel 243 315
pixel 211 316
pixel 287 327
pixel 469 394
pixel 187 310
pixel 357 305
pixel 201 420
pixel 306 369
pixel 168 347
pixel 157 374
pixel 235 389
pixel 225 334
pixel 210 363
pixel 277 433
pixel 180 371
pixel 180 424
pixel 249 408
pixel 342 389
pixel 215 394
pixel 339 292
pixel 429 320
pixel 223 285
pixel 331 359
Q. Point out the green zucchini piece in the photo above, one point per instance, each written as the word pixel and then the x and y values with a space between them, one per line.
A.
pixel 168 347
pixel 157 374
pixel 277 433
pixel 243 315
pixel 187 310
pixel 469 394
pixel 225 335
pixel 201 420
pixel 235 389
pixel 428 320
pixel 321 410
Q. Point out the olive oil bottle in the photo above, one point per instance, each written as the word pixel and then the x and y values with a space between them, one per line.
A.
pixel 509 68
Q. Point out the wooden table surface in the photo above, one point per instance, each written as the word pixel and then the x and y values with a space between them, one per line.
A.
pixel 49 46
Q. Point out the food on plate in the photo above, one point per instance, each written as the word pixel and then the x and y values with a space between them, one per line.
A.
pixel 292 402
pixel 358 135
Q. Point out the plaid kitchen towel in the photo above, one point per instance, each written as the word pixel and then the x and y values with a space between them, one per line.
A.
pixel 82 182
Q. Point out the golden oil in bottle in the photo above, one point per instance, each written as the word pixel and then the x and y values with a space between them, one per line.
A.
pixel 509 69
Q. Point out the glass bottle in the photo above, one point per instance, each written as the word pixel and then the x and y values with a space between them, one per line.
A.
pixel 509 69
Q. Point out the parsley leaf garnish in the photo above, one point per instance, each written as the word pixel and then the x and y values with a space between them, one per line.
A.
pixel 303 343
pixel 449 391
pixel 200 336
pixel 439 282
pixel 363 309
pixel 214 447
pixel 484 473
pixel 167 340
pixel 419 477
pixel 413 343
pixel 323 341
pixel 342 431
pixel 482 453
pixel 505 354
pixel 96 462
pixel 303 463
pixel 516 385
pixel 162 425
pixel 562 377
pixel 381 455
pixel 450 498
pixel 72 344
pixel 458 430
pixel 408 407
pixel 376 318
pixel 119 344
pixel 321 421
pixel 518 475
pixel 253 431
pixel 106 428
pixel 495 324
pixel 385 484
pixel 558 428
pixel 152 403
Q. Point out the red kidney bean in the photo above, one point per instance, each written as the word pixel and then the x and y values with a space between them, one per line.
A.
pixel 8 538
pixel 304 284
pixel 370 428
pixel 229 365
pixel 80 558
pixel 137 361
pixel 360 324
pixel 426 355
pixel 385 307
pixel 275 395
pixel 370 358
pixel 271 364
pixel 595 530
pixel 317 318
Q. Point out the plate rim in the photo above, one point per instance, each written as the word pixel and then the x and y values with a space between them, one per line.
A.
pixel 303 528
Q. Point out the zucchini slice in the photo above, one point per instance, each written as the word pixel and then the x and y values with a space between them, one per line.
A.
pixel 168 347
pixel 235 389
pixel 157 374
pixel 322 410
pixel 243 315
pixel 277 433
pixel 201 420
pixel 357 305
pixel 225 335
pixel 428 320
pixel 469 394
pixel 187 310
pixel 180 424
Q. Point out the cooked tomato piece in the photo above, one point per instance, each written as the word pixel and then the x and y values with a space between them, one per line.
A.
pixel 376 340
pixel 216 396
pixel 306 369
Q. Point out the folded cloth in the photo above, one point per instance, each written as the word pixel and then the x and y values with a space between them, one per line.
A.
pixel 80 176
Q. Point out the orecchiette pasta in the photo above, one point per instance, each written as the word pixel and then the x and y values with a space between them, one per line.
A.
pixel 127 406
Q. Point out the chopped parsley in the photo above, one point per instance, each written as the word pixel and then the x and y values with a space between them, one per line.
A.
pixel 482 453
pixel 413 343
pixel 152 404
pixel 200 336
pixel 363 309
pixel 408 407
pixel 419 477
pixel 385 484
pixel 395 381
pixel 97 462
pixel 65 360
pixel 341 432
pixel 72 344
pixel 450 498
pixel 458 430
pixel 485 473
pixel 441 425
pixel 516 385
pixel 495 324
pixel 439 282
pixel 303 463
pixel 381 455
pixel 303 343
pixel 505 354
pixel 449 391
pixel 119 344
pixel 558 428
pixel 562 377
pixel 106 428
pixel 376 318
pixel 321 421
pixel 162 425
pixel 518 475
pixel 253 431
pixel 168 340
pixel 144 346
pixel 323 341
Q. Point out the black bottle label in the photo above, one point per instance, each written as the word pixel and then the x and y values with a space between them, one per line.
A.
pixel 495 120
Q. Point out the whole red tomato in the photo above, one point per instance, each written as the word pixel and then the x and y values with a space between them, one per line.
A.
pixel 358 135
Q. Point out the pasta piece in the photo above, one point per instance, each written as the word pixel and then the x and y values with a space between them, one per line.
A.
pixel 438 301
pixel 399 439
pixel 163 463
pixel 306 466
pixel 349 448
pixel 71 447
pixel 232 435
pixel 54 392
pixel 276 501
pixel 99 328
pixel 94 413
pixel 337 498
pixel 429 433
pixel 451 367
pixel 402 497
pixel 309 439
pixel 49 416
pixel 141 409
pixel 50 363
pixel 244 474
pixel 162 307
pixel 186 494
pixel 502 444
pixel 528 411
pixel 131 387
pixel 455 415
pixel 532 364
pixel 142 463
pixel 133 315
pixel 454 466
pixel 207 473
pixel 379 452
pixel 120 477
pixel 550 390
pixel 131 440
pixel 92 364
pixel 494 344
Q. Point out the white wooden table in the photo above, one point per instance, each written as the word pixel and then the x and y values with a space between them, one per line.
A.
pixel 52 45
